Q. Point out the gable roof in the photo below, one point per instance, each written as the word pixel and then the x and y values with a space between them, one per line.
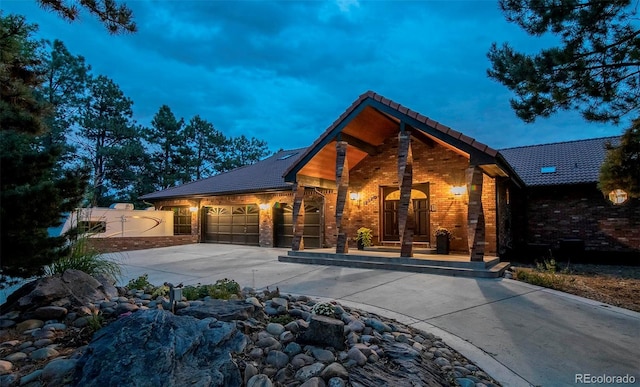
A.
pixel 265 175
pixel 570 162
pixel 478 150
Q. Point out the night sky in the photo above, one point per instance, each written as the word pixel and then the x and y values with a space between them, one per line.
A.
pixel 284 71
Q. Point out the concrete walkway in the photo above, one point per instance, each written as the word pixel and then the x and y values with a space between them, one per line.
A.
pixel 520 334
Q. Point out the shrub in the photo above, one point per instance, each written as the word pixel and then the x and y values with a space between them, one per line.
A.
pixel 223 289
pixel 140 283
pixel 323 309
pixel 547 280
pixel 83 257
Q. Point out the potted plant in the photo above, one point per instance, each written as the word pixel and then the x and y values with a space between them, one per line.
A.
pixel 364 238
pixel 443 237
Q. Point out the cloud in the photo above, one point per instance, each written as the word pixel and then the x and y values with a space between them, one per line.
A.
pixel 284 71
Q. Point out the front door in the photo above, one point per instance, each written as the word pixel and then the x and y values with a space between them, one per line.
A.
pixel 420 201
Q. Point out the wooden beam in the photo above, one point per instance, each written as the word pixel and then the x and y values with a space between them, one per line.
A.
pixel 405 181
pixel 342 181
pixel 475 214
pixel 372 150
pixel 298 218
pixel 309 181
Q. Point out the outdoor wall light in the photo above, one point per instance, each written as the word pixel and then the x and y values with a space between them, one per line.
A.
pixel 458 190
pixel 264 206
pixel 618 196
pixel 193 209
pixel 354 196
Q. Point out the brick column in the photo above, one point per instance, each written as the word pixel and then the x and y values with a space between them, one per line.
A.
pixel 298 218
pixel 405 182
pixel 342 182
pixel 475 214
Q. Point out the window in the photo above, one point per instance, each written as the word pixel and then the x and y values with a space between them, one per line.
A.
pixel 550 169
pixel 181 220
pixel 92 226
pixel 284 157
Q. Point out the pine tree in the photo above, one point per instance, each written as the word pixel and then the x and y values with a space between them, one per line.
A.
pixel 205 148
pixel 595 69
pixel 117 18
pixel 34 194
pixel 167 139
pixel 106 125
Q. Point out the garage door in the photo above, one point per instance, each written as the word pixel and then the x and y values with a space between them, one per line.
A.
pixel 237 224
pixel 283 225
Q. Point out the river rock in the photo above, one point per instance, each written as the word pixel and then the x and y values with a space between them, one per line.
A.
pixel 224 310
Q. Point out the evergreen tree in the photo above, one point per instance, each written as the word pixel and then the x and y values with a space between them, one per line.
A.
pixel 33 195
pixel 621 169
pixel 243 151
pixel 595 69
pixel 167 139
pixel 117 18
pixel 106 126
pixel 205 150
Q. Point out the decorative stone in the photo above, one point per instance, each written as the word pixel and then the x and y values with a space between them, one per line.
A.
pixel 42 343
pixel 323 355
pixel 287 337
pixel 336 382
pixel 249 371
pixel 32 377
pixel 277 359
pixel 6 323
pixel 51 313
pixel 377 325
pixel 29 324
pixel 43 353
pixel 300 360
pixel 292 327
pixel 292 349
pixel 334 370
pixel 325 331
pixel 275 329
pixel 223 310
pixel 58 372
pixel 10 343
pixel 55 327
pixel 464 382
pixel 254 301
pixel 308 372
pixel 260 380
pixel 314 382
pixel 441 361
pixel 357 356
pixel 16 356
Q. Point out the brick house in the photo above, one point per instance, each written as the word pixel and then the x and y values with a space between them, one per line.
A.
pixel 383 166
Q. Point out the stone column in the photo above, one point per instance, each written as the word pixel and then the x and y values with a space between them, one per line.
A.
pixel 298 218
pixel 405 182
pixel 342 182
pixel 475 214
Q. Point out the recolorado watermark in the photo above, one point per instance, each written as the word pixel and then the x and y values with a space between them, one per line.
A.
pixel 604 379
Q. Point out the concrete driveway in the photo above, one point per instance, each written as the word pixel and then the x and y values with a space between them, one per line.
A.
pixel 520 334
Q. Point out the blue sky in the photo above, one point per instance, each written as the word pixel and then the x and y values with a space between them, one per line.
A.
pixel 284 71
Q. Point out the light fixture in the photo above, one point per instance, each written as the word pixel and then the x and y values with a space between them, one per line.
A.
pixel 354 196
pixel 458 190
pixel 264 206
pixel 193 209
pixel 618 196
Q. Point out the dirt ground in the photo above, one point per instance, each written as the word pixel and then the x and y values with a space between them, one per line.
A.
pixel 614 285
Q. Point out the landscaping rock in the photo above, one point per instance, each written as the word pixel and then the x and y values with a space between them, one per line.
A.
pixel 223 310
pixel 324 331
pixel 155 347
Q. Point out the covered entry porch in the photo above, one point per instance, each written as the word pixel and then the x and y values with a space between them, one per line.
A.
pixel 403 176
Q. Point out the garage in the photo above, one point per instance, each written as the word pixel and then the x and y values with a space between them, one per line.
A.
pixel 233 224
pixel 283 225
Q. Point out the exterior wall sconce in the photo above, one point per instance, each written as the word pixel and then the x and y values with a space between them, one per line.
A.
pixel 355 196
pixel 618 196
pixel 458 190
pixel 264 206
pixel 193 209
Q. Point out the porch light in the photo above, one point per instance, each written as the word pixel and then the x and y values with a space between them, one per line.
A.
pixel 193 209
pixel 458 190
pixel 618 196
pixel 354 196
pixel 264 206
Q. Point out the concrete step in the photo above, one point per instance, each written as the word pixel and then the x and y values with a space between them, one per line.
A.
pixel 432 260
pixel 392 264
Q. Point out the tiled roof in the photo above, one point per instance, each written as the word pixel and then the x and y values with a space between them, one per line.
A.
pixel 570 162
pixel 370 95
pixel 261 176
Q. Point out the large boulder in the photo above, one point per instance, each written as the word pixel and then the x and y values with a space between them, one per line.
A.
pixel 157 348
pixel 71 289
pixel 325 331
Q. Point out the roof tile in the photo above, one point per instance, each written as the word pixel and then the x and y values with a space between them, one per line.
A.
pixel 575 161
